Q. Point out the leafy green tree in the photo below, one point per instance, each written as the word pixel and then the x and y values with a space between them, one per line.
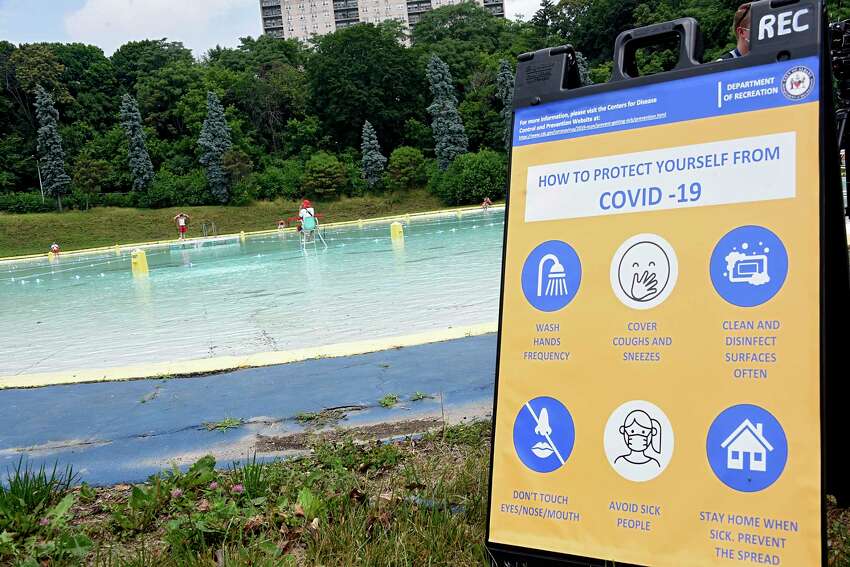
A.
pixel 161 92
pixel 89 175
pixel 364 71
pixel 56 181
pixel 418 135
pixel 324 175
pixel 505 92
pixel 237 164
pixel 27 67
pixel 303 137
pixel 406 169
pixel 472 177
pixel 282 179
pixel 480 116
pixel 462 35
pixel 449 134
pixel 214 142
pixel 92 86
pixel 544 19
pixel 139 159
pixel 137 59
pixel 373 161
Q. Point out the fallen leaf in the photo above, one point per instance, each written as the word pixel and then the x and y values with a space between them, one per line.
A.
pixel 203 505
pixel 254 522
pixel 122 487
pixel 299 511
pixel 356 495
pixel 388 496
pixel 415 486
pixel 315 524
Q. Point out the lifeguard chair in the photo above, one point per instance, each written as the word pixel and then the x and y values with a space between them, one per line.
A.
pixel 310 232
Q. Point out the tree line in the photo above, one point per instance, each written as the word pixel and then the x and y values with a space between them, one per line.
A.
pixel 354 111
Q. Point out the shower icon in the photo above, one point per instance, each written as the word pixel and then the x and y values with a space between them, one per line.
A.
pixel 556 277
pixel 551 276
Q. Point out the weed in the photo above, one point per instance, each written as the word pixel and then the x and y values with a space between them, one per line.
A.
pixel 309 505
pixel 320 418
pixel 199 475
pixel 253 478
pixel 388 401
pixel 417 396
pixel 87 493
pixel 223 425
pixel 141 509
pixel 29 494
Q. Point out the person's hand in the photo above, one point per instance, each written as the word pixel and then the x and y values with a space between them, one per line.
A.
pixel 644 286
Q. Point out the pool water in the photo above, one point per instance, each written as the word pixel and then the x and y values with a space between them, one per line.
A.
pixel 221 298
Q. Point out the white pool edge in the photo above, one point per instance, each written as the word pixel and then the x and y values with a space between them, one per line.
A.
pixel 228 363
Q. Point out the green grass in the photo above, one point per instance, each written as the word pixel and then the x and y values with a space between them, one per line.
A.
pixel 105 226
pixel 346 503
pixel 224 424
pixel 389 400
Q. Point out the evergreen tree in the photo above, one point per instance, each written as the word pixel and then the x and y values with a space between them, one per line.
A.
pixel 583 69
pixel 141 167
pixel 505 92
pixel 373 160
pixel 215 142
pixel 544 19
pixel 56 181
pixel 449 134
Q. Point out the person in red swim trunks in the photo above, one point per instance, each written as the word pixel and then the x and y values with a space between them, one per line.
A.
pixel 182 221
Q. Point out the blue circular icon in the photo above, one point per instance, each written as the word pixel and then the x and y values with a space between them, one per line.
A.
pixel 551 276
pixel 544 434
pixel 747 448
pixel 748 266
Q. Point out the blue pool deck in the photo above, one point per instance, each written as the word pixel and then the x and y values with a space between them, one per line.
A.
pixel 117 432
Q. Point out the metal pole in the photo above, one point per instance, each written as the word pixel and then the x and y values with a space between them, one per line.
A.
pixel 40 185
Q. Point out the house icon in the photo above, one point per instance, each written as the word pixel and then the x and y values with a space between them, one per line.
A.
pixel 747 439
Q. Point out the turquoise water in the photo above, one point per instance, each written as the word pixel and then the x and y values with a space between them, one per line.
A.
pixel 222 298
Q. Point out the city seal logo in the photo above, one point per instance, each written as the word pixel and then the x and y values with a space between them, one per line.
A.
pixel 797 83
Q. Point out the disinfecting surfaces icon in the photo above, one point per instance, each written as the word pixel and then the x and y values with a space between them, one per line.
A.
pixel 749 266
pixel 747 448
pixel 551 276
pixel 544 434
pixel 644 271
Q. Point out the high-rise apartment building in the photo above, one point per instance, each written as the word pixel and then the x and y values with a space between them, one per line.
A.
pixel 303 18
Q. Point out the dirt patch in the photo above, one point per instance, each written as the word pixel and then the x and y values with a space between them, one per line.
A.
pixel 303 440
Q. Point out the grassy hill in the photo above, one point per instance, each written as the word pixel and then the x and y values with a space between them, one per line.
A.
pixel 33 233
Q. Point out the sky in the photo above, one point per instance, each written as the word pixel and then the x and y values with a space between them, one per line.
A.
pixel 199 24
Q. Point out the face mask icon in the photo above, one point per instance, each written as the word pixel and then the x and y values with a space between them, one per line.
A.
pixel 639 440
pixel 642 436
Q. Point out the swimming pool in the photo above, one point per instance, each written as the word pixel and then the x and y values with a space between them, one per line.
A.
pixel 213 298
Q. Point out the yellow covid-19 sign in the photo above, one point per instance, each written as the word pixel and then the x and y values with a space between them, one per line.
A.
pixel 658 396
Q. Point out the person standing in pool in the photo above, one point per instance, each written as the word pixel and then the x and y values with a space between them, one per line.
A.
pixel 487 203
pixel 182 221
